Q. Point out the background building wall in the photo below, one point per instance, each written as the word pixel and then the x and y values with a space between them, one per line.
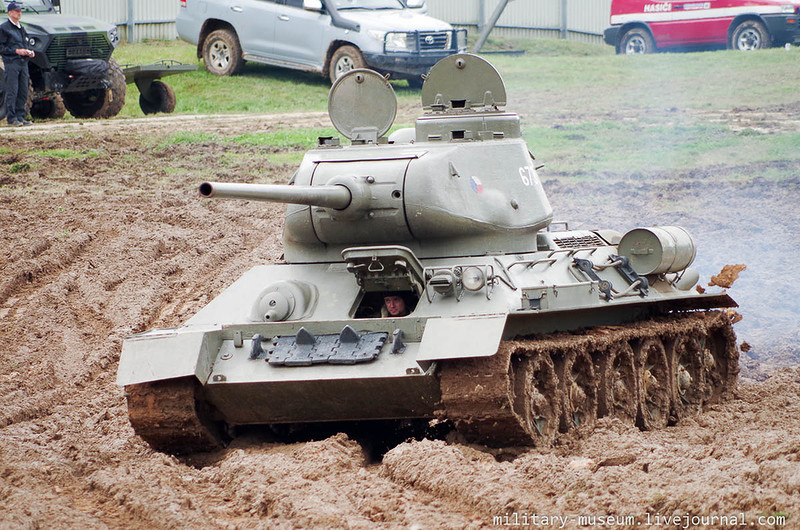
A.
pixel 582 20
pixel 137 19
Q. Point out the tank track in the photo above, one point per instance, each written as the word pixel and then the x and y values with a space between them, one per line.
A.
pixel 649 373
pixel 172 417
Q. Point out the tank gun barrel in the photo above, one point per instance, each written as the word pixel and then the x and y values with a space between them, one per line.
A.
pixel 335 196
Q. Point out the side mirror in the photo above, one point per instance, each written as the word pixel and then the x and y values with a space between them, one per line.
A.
pixel 312 5
pixel 413 4
pixel 56 3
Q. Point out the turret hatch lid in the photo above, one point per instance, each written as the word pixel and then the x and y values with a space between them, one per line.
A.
pixel 362 105
pixel 463 81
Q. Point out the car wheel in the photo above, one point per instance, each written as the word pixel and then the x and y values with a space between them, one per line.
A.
pixel 49 108
pixel 99 103
pixel 416 82
pixel 750 35
pixel 115 96
pixel 161 99
pixel 222 53
pixel 343 60
pixel 636 41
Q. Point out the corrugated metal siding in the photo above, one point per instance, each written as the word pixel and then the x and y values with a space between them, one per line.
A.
pixel 529 18
pixel 154 19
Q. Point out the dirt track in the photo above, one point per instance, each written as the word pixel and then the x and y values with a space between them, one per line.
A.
pixel 95 248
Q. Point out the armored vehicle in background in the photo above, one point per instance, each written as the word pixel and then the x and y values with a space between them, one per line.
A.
pixel 73 69
pixel 517 330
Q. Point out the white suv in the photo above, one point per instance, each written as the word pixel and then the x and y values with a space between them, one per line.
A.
pixel 330 37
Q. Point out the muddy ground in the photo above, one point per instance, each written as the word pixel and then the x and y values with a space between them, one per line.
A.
pixel 115 241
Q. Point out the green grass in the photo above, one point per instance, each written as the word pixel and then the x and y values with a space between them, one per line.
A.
pixel 558 75
pixel 305 138
pixel 585 109
pixel 630 147
pixel 289 138
pixel 67 153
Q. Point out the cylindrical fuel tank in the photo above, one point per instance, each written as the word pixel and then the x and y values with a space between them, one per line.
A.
pixel 658 249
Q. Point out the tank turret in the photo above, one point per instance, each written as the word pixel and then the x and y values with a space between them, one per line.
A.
pixel 464 184
pixel 448 224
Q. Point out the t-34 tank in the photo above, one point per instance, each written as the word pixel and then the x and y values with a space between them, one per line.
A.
pixel 514 329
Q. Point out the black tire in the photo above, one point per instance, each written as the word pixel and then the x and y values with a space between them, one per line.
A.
pixel 161 99
pixel 99 103
pixel 636 41
pixel 343 60
pixel 222 53
pixel 49 108
pixel 28 102
pixel 416 82
pixel 750 35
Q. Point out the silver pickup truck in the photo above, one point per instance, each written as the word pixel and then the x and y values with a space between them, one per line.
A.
pixel 330 37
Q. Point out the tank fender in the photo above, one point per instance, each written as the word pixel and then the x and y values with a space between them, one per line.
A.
pixel 166 354
pixel 461 337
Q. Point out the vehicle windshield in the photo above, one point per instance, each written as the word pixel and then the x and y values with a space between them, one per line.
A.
pixel 367 4
pixel 33 6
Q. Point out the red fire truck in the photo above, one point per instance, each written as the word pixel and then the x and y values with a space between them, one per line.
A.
pixel 645 26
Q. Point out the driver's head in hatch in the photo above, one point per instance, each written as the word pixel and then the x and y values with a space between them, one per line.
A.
pixel 394 305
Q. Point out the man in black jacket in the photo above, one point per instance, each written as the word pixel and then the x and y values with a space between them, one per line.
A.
pixel 14 48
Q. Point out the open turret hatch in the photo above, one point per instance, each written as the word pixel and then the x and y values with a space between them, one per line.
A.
pixel 362 105
pixel 463 82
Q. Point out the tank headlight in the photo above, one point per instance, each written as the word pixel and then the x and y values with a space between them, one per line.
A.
pixel 443 282
pixel 473 279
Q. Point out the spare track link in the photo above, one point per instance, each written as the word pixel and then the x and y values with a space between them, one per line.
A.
pixel 649 373
pixel 172 417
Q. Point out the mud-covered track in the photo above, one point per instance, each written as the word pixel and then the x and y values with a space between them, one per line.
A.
pixel 172 417
pixel 650 373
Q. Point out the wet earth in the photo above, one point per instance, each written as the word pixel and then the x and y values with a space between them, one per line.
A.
pixel 104 235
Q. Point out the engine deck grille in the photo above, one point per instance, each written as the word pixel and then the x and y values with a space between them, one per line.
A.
pixel 578 241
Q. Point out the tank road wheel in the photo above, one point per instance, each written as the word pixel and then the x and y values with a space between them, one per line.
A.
pixel 750 35
pixel 580 392
pixel 99 102
pixel 222 53
pixel 162 99
pixel 172 416
pixel 656 394
pixel 619 396
pixel 343 60
pixel 534 391
pixel 510 398
pixel 720 359
pixel 49 108
pixel 636 41
pixel 688 374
